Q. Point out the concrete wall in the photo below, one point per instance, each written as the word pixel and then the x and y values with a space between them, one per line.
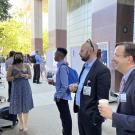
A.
pixel 37 43
pixel 57 25
pixel 79 24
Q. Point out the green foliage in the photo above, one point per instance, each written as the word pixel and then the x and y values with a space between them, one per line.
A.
pixel 4 7
pixel 14 36
pixel 45 41
pixel 45 5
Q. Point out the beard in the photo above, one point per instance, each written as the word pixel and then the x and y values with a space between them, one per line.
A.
pixel 84 58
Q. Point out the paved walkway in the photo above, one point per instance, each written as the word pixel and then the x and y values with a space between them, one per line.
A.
pixel 44 118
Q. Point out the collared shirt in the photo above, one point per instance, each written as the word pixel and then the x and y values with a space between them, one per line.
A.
pixel 115 116
pixel 61 84
pixel 39 59
pixel 125 77
pixel 82 80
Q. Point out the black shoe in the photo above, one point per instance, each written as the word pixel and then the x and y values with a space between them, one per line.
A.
pixel 15 122
pixel 1 130
pixel 34 82
pixel 38 82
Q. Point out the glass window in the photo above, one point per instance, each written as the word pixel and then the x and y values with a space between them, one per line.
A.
pixel 79 21
pixel 73 4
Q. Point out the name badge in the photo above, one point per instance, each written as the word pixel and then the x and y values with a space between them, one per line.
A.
pixel 123 97
pixel 87 91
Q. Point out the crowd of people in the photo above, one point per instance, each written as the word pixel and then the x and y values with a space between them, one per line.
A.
pixel 93 85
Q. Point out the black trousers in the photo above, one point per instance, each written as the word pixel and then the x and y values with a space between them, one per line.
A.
pixel 14 117
pixel 86 128
pixel 65 116
pixel 36 76
pixel 9 90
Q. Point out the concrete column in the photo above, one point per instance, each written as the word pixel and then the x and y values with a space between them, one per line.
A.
pixel 57 33
pixel 57 13
pixel 37 42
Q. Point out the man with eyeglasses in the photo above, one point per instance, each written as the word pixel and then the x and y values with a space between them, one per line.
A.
pixel 94 84
pixel 124 118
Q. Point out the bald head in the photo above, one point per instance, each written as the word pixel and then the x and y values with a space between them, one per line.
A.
pixel 86 46
pixel 88 50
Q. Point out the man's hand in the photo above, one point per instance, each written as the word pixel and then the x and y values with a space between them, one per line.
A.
pixel 73 87
pixel 105 111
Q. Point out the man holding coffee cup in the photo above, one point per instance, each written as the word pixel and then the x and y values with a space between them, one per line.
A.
pixel 94 84
pixel 124 118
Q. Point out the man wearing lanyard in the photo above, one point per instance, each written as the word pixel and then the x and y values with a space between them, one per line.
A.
pixel 94 84
pixel 124 118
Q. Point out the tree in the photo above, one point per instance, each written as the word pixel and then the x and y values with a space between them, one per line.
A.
pixel 45 41
pixel 4 7
pixel 14 36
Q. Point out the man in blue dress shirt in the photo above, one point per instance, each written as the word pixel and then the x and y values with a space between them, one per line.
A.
pixel 62 94
pixel 36 76
pixel 94 84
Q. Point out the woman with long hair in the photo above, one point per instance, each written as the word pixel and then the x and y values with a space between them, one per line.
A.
pixel 21 101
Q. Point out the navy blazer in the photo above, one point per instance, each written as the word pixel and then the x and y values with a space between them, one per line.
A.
pixel 124 119
pixel 100 81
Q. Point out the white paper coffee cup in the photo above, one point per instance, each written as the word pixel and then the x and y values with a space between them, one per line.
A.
pixel 103 102
pixel 50 79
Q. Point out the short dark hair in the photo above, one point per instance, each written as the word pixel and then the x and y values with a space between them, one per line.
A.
pixel 11 53
pixel 129 49
pixel 63 51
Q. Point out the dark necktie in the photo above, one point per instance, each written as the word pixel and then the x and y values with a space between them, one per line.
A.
pixel 122 83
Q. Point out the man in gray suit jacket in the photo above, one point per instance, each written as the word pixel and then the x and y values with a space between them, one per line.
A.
pixel 124 118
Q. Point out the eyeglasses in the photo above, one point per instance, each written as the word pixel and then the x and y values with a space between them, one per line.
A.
pixel 90 43
pixel 118 55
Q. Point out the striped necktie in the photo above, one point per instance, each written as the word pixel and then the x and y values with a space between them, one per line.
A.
pixel 122 83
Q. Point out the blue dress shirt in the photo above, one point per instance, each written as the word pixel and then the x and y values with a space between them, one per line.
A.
pixel 82 80
pixel 62 91
pixel 39 59
pixel 125 77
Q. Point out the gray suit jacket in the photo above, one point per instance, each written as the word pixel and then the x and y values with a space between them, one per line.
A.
pixel 124 119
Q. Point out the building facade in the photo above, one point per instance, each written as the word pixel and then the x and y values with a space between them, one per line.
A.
pixel 105 22
pixel 72 22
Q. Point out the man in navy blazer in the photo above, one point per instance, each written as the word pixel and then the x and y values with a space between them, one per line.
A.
pixel 124 118
pixel 94 84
